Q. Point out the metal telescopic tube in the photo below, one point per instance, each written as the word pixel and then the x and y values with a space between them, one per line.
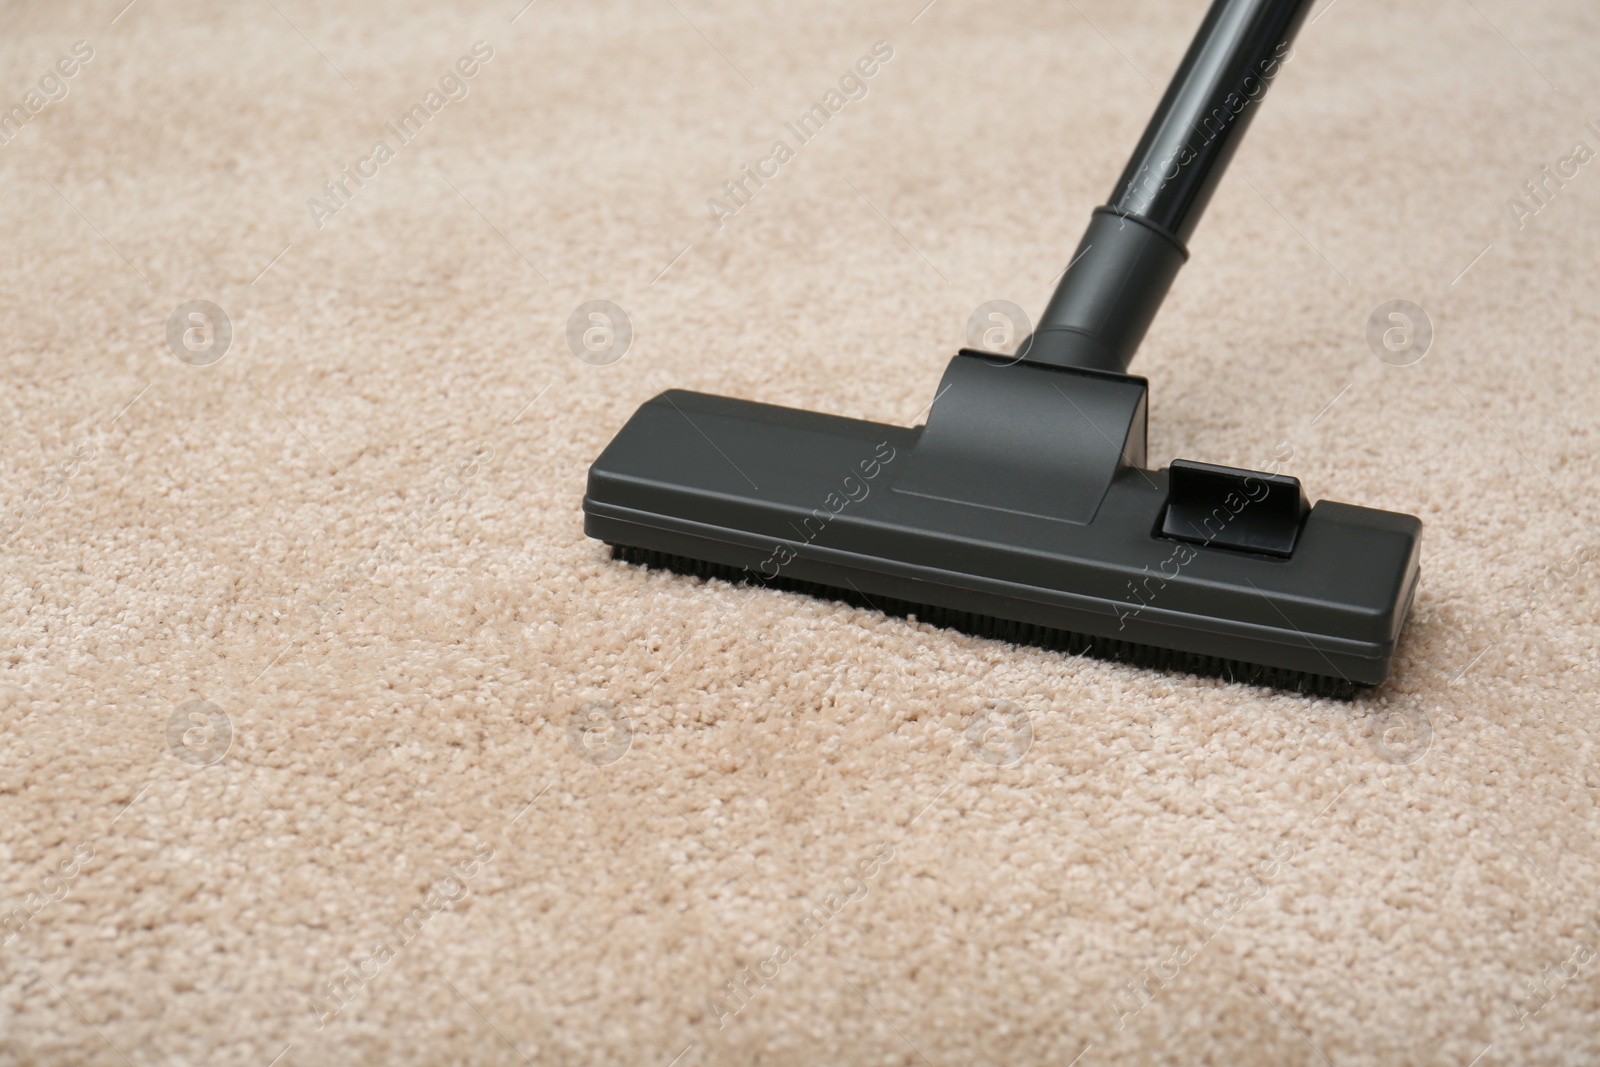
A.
pixel 1135 244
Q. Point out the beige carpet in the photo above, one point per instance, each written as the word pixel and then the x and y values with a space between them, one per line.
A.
pixel 327 736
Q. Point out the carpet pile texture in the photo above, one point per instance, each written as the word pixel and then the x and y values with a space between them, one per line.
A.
pixel 327 738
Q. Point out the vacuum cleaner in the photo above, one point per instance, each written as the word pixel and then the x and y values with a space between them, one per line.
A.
pixel 1022 508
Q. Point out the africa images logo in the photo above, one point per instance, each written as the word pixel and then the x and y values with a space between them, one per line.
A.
pixel 453 86
pixel 852 86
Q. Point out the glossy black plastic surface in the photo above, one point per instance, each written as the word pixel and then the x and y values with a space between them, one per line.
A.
pixel 1025 496
pixel 1239 50
pixel 1134 246
pixel 1108 297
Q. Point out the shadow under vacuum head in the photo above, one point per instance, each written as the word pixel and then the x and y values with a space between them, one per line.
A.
pixel 1022 509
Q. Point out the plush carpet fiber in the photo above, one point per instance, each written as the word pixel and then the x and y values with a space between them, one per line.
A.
pixel 328 737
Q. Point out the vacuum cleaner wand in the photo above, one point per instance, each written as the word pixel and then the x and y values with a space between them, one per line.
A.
pixel 1022 509
pixel 1136 243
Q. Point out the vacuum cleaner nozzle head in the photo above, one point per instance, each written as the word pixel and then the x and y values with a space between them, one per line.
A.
pixel 1023 509
pixel 1020 510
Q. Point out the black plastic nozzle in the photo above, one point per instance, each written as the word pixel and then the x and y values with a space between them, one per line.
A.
pixel 1022 508
pixel 1135 244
